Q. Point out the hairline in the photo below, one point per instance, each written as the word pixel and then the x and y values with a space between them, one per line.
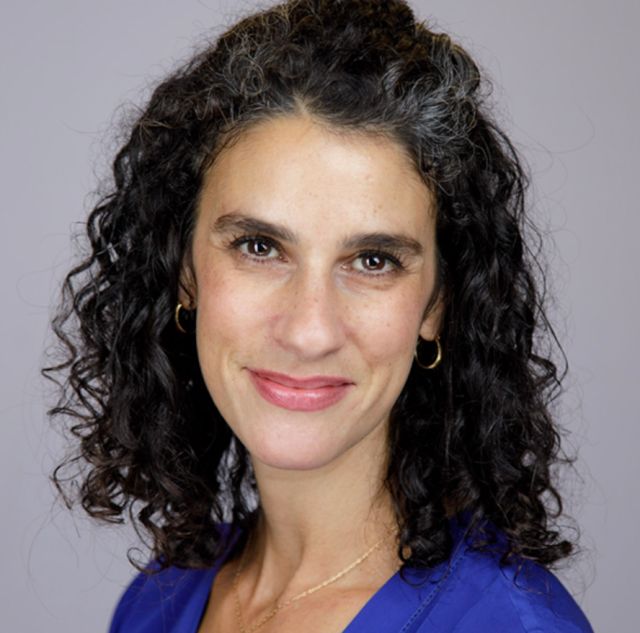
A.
pixel 377 132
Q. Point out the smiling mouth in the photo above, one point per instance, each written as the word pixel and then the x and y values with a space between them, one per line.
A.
pixel 299 394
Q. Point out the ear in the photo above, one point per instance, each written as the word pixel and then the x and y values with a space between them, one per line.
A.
pixel 187 289
pixel 432 322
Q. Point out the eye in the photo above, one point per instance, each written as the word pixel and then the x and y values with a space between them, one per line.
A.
pixel 259 248
pixel 373 262
pixel 256 247
pixel 376 263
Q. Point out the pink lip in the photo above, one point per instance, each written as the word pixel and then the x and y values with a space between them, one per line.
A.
pixel 299 394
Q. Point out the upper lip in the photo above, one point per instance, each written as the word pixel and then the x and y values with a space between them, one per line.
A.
pixel 308 382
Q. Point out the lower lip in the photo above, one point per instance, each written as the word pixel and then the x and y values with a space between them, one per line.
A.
pixel 294 399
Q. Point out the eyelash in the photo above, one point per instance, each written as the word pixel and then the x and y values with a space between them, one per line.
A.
pixel 394 260
pixel 237 243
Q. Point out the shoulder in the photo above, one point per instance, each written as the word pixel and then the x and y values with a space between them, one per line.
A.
pixel 156 602
pixel 171 599
pixel 477 594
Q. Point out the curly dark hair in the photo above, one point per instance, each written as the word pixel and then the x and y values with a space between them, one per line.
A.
pixel 473 438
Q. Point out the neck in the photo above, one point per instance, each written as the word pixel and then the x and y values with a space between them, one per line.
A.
pixel 314 523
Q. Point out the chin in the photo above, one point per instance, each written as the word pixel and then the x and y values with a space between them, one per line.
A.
pixel 303 454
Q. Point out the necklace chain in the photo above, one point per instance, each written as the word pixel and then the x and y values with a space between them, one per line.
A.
pixel 305 593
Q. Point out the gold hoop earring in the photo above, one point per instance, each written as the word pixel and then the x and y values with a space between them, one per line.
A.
pixel 436 362
pixel 176 318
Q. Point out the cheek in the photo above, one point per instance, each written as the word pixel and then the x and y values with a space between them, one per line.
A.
pixel 387 330
pixel 225 317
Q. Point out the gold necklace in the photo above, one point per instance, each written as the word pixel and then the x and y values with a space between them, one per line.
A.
pixel 308 592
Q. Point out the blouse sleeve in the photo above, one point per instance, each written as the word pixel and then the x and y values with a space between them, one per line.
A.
pixel 480 596
pixel 172 600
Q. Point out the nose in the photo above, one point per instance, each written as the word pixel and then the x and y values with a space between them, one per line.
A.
pixel 310 322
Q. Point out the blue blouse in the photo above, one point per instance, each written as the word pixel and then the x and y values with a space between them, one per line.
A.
pixel 470 593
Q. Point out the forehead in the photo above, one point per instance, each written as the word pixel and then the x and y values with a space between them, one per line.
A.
pixel 290 165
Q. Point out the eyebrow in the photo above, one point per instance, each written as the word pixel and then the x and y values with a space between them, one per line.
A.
pixel 246 224
pixel 394 242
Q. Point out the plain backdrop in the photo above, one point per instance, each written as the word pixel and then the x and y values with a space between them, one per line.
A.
pixel 566 76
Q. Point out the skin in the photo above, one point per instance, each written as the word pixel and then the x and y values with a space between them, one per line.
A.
pixel 313 255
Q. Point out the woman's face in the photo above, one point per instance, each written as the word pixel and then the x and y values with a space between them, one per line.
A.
pixel 313 262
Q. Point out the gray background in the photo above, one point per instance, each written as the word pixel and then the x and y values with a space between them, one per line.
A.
pixel 567 78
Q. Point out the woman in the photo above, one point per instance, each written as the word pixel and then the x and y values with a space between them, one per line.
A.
pixel 300 352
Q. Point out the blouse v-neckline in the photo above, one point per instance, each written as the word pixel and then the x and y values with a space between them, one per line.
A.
pixel 399 602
